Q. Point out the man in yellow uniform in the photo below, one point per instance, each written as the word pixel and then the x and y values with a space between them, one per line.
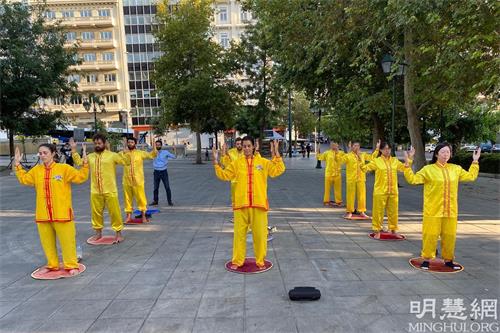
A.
pixel 356 178
pixel 133 179
pixel 250 204
pixel 103 190
pixel 230 156
pixel 385 192
pixel 54 212
pixel 440 180
pixel 333 175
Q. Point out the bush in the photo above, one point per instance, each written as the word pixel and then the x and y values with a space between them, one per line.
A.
pixel 488 163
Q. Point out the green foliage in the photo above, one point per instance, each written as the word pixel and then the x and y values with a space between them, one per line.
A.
pixel 488 162
pixel 191 73
pixel 33 65
pixel 303 120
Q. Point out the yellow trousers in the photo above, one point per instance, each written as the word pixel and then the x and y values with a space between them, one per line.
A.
pixel 356 191
pixel 382 203
pixel 97 204
pixel 337 189
pixel 134 192
pixel 432 229
pixel 256 219
pixel 66 233
pixel 233 191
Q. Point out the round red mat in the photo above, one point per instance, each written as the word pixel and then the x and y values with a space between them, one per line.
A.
pixel 249 267
pixel 388 236
pixel 54 275
pixel 435 265
pixel 333 204
pixel 104 240
pixel 136 221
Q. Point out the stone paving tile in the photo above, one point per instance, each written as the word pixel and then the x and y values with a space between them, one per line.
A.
pixel 175 307
pixel 170 325
pixel 65 326
pixel 221 307
pixel 76 309
pixel 113 325
pixel 218 325
pixel 138 308
pixel 274 323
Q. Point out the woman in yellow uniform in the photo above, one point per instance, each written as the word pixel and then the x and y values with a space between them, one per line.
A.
pixel 230 156
pixel 250 202
pixel 333 175
pixel 133 179
pixel 385 192
pixel 440 180
pixel 54 210
pixel 356 178
pixel 103 190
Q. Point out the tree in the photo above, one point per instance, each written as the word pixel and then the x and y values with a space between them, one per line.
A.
pixel 303 120
pixel 34 65
pixel 191 73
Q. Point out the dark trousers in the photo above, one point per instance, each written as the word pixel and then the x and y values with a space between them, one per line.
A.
pixel 161 175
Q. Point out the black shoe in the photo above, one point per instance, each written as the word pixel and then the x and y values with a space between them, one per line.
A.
pixel 425 265
pixel 170 203
pixel 154 203
pixel 452 265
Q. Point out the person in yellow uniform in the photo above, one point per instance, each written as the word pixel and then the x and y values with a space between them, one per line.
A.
pixel 103 190
pixel 228 157
pixel 356 178
pixel 133 179
pixel 54 211
pixel 440 180
pixel 385 192
pixel 333 175
pixel 250 204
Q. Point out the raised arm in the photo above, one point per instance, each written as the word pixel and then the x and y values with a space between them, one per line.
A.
pixel 471 175
pixel 24 177
pixel 226 174
pixel 77 160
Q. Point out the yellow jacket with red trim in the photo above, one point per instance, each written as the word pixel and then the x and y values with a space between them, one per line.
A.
pixel 232 155
pixel 133 174
pixel 441 186
pixel 103 170
pixel 386 174
pixel 53 189
pixel 353 163
pixel 333 167
pixel 251 179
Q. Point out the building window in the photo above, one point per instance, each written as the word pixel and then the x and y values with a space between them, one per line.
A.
pixel 50 15
pixel 111 99
pixel 104 12
pixel 76 99
pixel 244 16
pixel 89 57
pixel 108 56
pixel 67 13
pixel 223 14
pixel 106 35
pixel 88 35
pixel 109 77
pixel 91 78
pixel 74 78
pixel 71 36
pixel 224 40
pixel 133 94
pixel 86 13
pixel 146 94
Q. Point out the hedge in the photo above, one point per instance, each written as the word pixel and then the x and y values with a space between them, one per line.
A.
pixel 488 162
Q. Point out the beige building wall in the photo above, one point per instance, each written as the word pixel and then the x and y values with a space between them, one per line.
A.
pixel 230 21
pixel 97 27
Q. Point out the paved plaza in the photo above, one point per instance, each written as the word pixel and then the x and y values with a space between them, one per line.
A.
pixel 169 276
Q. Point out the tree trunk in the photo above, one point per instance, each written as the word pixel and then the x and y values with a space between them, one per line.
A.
pixel 11 143
pixel 295 143
pixel 410 106
pixel 198 148
pixel 378 130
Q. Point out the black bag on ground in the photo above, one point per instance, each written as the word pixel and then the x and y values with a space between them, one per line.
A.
pixel 304 294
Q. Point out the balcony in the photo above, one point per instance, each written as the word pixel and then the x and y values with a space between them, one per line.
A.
pixel 97 86
pixel 96 65
pixel 92 21
pixel 92 44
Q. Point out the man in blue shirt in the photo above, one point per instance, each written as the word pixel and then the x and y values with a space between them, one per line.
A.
pixel 160 172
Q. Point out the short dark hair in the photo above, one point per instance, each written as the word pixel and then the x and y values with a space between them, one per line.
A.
pixel 439 146
pixel 132 138
pixel 50 146
pixel 159 141
pixel 249 138
pixel 382 146
pixel 99 136
pixel 238 139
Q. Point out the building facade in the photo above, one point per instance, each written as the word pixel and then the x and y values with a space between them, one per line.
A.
pixel 97 28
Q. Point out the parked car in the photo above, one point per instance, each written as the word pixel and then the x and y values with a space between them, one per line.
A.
pixel 496 148
pixel 430 147
pixel 469 147
pixel 486 147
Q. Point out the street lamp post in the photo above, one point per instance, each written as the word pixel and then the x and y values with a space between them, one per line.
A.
pixel 318 162
pixel 91 102
pixel 289 124
pixel 387 62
